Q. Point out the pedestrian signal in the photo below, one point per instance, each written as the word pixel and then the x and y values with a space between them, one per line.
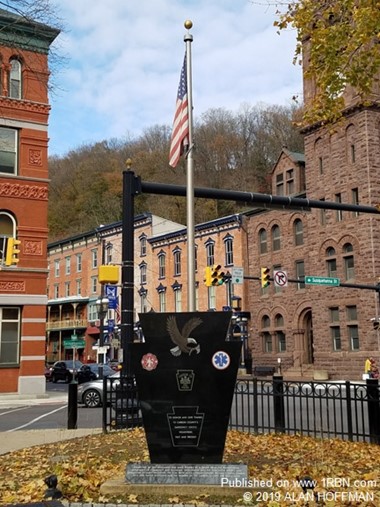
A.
pixel 265 276
pixel 13 250
pixel 217 276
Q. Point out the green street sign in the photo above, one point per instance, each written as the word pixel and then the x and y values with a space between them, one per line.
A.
pixel 322 280
pixel 74 344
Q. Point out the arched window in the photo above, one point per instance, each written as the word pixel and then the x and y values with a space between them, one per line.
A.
pixel 280 334
pixel 331 262
pixel 263 246
pixel 161 265
pixel 15 79
pixel 349 262
pixel 143 273
pixel 228 250
pixel 276 238
pixel 142 245
pixel 210 259
pixel 177 261
pixel 267 337
pixel 298 232
pixel 7 230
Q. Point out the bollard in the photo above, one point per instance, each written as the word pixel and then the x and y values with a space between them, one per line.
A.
pixel 72 406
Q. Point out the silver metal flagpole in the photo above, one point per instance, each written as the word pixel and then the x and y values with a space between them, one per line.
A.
pixel 188 38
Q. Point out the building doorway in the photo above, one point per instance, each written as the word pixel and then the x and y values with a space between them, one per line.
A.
pixel 309 339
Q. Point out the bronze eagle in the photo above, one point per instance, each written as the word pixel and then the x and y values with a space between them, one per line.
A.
pixel 183 340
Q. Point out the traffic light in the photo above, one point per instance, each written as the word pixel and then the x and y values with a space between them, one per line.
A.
pixel 13 250
pixel 265 275
pixel 217 276
pixel 207 278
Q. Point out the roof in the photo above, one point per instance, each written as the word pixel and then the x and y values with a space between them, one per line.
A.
pixel 25 33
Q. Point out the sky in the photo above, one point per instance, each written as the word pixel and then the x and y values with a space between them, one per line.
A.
pixel 122 61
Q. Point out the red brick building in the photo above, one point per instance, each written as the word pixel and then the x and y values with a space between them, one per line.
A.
pixel 24 111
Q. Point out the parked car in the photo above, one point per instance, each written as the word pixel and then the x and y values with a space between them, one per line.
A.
pixel 48 372
pixel 90 393
pixel 93 368
pixel 65 370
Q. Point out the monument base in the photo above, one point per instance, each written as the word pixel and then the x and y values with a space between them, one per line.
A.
pixel 159 493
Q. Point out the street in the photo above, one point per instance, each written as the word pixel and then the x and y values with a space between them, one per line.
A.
pixel 47 415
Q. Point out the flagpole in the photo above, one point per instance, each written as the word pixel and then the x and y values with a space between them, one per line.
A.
pixel 191 307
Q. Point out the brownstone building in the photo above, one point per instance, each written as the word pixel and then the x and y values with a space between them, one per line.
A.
pixel 24 111
pixel 317 330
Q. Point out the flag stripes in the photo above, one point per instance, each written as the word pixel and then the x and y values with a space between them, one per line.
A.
pixel 181 121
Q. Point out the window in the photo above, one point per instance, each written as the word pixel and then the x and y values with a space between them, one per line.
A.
pixel 162 300
pixel 277 288
pixel 15 79
pixel 56 268
pixel 290 181
pixel 67 265
pixel 143 245
pixel 228 251
pixel 355 200
pixel 280 335
pixel 279 184
pixel 56 291
pixel 276 238
pixel 67 289
pixel 79 287
pixel 143 300
pixel 352 313
pixel 108 253
pixel 210 259
pixel 94 284
pixel 267 337
pixel 353 334
pixel 7 229
pixel 263 246
pixel 331 262
pixel 8 150
pixel 300 273
pixel 353 154
pixel 79 262
pixel 92 312
pixel 349 263
pixel 9 335
pixel 320 164
pixel 94 255
pixel 211 296
pixel 339 212
pixel 335 328
pixel 298 232
pixel 161 265
pixel 178 300
pixel 177 262
pixel 143 273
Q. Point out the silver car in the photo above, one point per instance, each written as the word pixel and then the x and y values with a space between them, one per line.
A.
pixel 90 393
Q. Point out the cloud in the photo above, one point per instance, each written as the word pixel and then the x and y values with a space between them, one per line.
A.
pixel 125 60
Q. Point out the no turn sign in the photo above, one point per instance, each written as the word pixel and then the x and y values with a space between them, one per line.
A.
pixel 280 278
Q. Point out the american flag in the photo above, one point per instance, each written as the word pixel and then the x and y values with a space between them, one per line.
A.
pixel 181 121
pixel 118 312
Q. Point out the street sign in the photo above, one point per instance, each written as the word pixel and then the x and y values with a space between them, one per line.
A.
pixel 322 280
pixel 280 278
pixel 74 344
pixel 237 275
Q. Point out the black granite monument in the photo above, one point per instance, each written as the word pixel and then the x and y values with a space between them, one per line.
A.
pixel 186 372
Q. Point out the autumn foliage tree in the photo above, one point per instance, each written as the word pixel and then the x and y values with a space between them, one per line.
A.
pixel 342 42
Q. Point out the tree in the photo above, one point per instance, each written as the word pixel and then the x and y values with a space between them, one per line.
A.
pixel 340 40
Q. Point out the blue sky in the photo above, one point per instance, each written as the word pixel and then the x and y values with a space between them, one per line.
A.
pixel 123 61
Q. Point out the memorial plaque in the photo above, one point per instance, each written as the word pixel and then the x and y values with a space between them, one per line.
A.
pixel 186 373
pixel 147 473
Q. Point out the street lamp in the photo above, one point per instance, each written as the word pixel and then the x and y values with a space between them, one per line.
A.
pixel 102 304
pixel 235 303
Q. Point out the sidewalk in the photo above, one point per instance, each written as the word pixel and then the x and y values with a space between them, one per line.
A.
pixel 16 440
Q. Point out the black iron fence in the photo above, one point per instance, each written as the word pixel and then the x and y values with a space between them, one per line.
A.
pixel 347 410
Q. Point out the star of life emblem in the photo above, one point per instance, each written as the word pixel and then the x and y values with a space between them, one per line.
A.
pixel 221 360
pixel 149 362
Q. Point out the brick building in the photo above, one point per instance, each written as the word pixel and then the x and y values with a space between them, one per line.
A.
pixel 24 111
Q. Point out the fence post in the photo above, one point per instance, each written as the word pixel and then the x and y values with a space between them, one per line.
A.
pixel 349 411
pixel 255 407
pixel 373 410
pixel 278 403
pixel 106 386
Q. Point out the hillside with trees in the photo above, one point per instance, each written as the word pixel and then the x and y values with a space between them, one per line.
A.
pixel 234 151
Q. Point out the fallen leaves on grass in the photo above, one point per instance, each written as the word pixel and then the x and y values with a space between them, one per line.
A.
pixel 83 464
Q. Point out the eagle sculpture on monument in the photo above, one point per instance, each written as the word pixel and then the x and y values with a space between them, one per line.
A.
pixel 182 339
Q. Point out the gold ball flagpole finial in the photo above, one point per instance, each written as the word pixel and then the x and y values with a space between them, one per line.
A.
pixel 128 163
pixel 188 24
